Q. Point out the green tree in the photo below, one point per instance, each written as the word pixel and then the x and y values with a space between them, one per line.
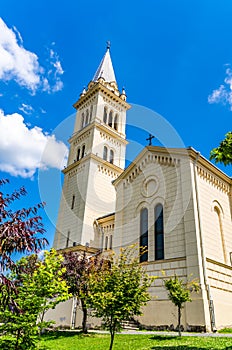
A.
pixel 119 290
pixel 39 287
pixel 223 153
pixel 179 293
pixel 78 268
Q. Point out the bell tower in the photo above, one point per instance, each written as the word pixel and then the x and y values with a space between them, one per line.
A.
pixel 96 158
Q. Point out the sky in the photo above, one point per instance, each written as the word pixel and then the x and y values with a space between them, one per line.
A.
pixel 174 59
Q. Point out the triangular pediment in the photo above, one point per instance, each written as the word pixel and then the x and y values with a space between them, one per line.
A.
pixel 151 154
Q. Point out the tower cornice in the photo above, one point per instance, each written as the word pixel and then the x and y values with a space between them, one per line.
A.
pixel 117 170
pixel 102 127
pixel 99 87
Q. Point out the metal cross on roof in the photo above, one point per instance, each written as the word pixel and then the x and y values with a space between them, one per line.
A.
pixel 150 139
pixel 108 44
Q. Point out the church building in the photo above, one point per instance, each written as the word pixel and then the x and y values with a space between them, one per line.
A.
pixel 171 200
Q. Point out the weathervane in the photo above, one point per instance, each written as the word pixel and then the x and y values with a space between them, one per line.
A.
pixel 150 139
pixel 108 44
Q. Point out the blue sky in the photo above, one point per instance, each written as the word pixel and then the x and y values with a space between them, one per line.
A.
pixel 173 57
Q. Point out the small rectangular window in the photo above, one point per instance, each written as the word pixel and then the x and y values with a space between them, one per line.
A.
pixel 73 202
pixel 67 241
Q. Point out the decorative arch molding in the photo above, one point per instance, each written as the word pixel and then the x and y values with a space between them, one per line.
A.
pixel 81 138
pixel 159 200
pixel 109 139
pixel 217 208
pixel 217 205
pixel 140 206
pixel 114 105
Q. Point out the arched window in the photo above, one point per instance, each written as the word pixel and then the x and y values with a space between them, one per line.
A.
pixel 91 113
pixel 105 153
pixel 83 151
pixel 82 120
pixel 111 156
pixel 111 241
pixel 110 119
pixel 116 122
pixel 219 237
pixel 143 234
pixel 159 232
pixel 106 243
pixel 78 154
pixel 87 117
pixel 105 115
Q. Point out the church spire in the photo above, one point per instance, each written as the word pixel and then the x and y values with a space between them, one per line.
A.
pixel 105 69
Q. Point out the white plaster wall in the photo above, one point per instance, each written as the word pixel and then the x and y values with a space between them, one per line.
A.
pixel 210 196
pixel 62 314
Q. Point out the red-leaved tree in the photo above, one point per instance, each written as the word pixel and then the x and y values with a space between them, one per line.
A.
pixel 79 267
pixel 20 231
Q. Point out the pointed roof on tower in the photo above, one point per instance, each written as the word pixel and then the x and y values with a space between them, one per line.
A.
pixel 105 69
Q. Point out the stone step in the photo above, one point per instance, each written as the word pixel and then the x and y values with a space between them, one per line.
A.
pixel 130 325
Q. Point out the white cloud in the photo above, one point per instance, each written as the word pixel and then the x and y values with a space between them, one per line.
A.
pixel 16 62
pixel 21 65
pixel 27 109
pixel 223 94
pixel 23 150
pixel 42 110
pixel 54 73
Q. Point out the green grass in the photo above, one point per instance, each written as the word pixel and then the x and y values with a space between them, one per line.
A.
pixel 75 341
pixel 225 330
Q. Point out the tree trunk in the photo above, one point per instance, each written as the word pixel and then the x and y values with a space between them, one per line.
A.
pixel 179 319
pixel 112 334
pixel 17 339
pixel 84 319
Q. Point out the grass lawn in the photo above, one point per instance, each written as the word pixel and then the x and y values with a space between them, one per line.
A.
pixel 225 330
pixel 74 341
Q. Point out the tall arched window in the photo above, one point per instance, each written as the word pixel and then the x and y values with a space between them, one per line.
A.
pixel 219 236
pixel 105 115
pixel 82 120
pixel 78 154
pixel 87 117
pixel 105 153
pixel 111 241
pixel 159 232
pixel 83 151
pixel 91 113
pixel 111 156
pixel 110 119
pixel 144 234
pixel 116 122
pixel 106 243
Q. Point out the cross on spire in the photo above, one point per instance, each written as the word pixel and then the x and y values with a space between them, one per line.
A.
pixel 150 139
pixel 108 45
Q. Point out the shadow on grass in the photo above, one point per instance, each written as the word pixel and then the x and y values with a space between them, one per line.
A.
pixel 63 334
pixel 165 337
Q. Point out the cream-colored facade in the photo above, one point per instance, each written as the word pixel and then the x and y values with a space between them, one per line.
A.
pixel 174 201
